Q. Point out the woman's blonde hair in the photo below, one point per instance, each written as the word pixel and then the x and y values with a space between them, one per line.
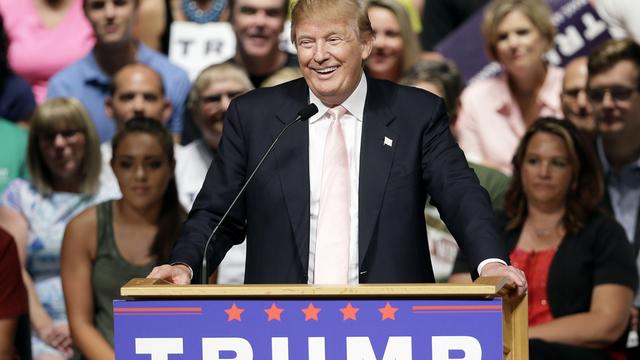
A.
pixel 536 10
pixel 54 115
pixel 411 47
pixel 282 76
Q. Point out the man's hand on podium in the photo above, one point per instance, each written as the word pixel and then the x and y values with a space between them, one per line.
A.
pixel 179 274
pixel 515 275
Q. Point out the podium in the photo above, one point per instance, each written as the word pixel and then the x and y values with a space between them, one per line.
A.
pixel 160 321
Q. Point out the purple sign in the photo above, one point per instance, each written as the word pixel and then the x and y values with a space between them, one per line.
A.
pixel 308 329
pixel 579 29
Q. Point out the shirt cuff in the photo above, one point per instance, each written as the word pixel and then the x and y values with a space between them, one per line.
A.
pixel 188 268
pixel 482 264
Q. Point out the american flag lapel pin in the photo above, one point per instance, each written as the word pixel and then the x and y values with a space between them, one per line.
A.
pixel 388 142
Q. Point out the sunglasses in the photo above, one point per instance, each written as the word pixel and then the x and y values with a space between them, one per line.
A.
pixel 617 93
pixel 218 98
pixel 66 134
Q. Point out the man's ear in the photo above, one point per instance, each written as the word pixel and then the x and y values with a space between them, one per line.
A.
pixel 367 46
pixel 166 111
pixel 108 107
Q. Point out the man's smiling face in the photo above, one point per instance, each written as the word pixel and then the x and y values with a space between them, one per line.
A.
pixel 330 54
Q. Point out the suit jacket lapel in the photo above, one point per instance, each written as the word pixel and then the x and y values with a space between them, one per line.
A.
pixel 376 157
pixel 292 153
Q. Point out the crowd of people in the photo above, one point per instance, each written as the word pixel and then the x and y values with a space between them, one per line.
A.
pixel 105 144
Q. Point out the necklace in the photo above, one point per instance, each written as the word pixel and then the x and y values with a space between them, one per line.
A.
pixel 197 15
pixel 543 232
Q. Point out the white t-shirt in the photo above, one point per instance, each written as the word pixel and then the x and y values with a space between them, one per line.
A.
pixel 192 164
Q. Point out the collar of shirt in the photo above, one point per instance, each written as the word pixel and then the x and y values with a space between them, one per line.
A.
pixel 92 73
pixel 354 103
pixel 628 174
pixel 547 96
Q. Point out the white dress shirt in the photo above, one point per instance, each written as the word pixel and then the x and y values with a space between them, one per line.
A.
pixel 352 128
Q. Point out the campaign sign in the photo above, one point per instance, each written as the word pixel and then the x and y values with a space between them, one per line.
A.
pixel 313 329
pixel 195 46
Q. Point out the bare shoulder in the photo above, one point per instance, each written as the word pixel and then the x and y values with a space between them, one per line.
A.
pixel 10 215
pixel 82 231
pixel 85 220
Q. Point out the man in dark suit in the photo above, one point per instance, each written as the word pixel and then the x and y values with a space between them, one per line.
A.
pixel 398 146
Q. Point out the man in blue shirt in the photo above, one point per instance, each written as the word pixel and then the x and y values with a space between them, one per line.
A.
pixel 613 88
pixel 90 79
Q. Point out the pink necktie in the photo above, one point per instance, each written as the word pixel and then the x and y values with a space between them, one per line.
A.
pixel 332 241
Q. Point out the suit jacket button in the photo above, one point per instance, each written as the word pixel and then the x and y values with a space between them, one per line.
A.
pixel 363 276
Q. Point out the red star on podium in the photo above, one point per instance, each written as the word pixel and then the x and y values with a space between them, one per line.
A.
pixel 234 313
pixel 388 312
pixel 349 312
pixel 311 312
pixel 273 312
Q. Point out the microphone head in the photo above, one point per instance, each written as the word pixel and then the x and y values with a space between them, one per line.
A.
pixel 308 111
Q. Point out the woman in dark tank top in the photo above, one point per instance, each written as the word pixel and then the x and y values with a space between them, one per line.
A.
pixel 117 240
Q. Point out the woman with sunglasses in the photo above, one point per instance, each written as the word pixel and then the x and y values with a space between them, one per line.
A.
pixel 63 157
pixel 577 260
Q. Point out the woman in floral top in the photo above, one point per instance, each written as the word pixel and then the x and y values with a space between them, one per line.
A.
pixel 64 162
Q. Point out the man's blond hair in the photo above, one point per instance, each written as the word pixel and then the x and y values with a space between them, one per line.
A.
pixel 332 10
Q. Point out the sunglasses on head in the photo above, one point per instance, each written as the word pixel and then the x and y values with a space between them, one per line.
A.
pixel 617 93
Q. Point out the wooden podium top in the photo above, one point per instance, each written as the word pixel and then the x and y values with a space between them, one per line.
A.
pixel 155 288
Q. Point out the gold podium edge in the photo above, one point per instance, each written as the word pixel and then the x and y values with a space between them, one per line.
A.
pixel 141 288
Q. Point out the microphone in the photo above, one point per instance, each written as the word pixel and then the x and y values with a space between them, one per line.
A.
pixel 303 115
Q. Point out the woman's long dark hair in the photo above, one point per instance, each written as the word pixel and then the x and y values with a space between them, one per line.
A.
pixel 587 184
pixel 172 214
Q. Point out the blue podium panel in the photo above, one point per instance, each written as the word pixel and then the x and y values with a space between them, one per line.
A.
pixel 313 329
